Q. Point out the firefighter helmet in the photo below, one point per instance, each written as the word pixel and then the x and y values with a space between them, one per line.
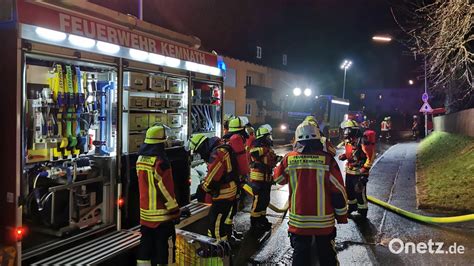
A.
pixel 262 132
pixel 349 124
pixel 311 119
pixel 307 131
pixel 196 141
pixel 350 128
pixel 237 124
pixel 155 134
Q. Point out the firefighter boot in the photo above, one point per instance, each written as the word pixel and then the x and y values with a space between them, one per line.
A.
pixel 260 224
pixel 234 242
pixel 352 208
pixel 363 212
pixel 237 234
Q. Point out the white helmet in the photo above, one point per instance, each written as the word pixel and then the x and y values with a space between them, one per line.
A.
pixel 307 131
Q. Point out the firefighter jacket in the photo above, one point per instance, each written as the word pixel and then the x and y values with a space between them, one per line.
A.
pixel 328 147
pixel 262 162
pixel 360 154
pixel 157 199
pixel 220 179
pixel 385 126
pixel 317 192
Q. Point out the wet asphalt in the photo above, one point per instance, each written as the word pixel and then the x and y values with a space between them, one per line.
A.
pixel 364 242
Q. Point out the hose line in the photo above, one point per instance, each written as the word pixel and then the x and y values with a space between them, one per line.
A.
pixel 422 218
pixel 411 215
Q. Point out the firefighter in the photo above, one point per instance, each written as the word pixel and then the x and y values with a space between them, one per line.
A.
pixel 237 138
pixel 327 144
pixel 220 182
pixel 158 207
pixel 262 161
pixel 317 197
pixel 415 127
pixel 360 154
pixel 385 127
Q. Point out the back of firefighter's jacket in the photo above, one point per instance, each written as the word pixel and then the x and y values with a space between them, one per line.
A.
pixel 317 193
pixel 219 181
pixel 157 199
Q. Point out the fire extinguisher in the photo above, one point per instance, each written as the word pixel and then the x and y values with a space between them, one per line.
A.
pixel 216 96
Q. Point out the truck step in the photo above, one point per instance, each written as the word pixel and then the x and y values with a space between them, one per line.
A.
pixel 100 249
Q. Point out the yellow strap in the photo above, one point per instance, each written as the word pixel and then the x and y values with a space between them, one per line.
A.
pixel 170 201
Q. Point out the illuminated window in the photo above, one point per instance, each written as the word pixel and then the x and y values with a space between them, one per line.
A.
pixel 362 96
pixel 285 59
pixel 248 109
pixel 259 52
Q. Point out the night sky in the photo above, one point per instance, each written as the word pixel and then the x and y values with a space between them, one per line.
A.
pixel 317 35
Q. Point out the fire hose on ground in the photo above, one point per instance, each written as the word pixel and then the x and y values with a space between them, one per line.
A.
pixel 422 218
pixel 411 215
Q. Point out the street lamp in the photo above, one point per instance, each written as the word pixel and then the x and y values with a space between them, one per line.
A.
pixel 307 92
pixel 297 91
pixel 410 82
pixel 345 66
pixel 382 38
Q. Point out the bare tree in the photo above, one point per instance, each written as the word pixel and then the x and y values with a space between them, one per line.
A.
pixel 442 32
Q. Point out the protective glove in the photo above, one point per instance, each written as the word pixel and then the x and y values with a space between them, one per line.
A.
pixel 176 212
pixel 200 193
pixel 364 170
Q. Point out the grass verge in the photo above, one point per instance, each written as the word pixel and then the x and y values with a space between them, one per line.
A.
pixel 445 172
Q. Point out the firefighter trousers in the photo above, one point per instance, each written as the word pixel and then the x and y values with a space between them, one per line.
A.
pixel 157 245
pixel 306 247
pixel 220 219
pixel 356 192
pixel 261 199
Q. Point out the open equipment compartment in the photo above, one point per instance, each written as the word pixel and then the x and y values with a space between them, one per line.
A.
pixel 206 118
pixel 154 95
pixel 70 141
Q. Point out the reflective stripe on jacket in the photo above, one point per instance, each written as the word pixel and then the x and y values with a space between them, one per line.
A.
pixel 218 181
pixel 317 192
pixel 262 162
pixel 157 199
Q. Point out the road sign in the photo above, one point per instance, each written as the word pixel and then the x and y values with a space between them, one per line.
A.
pixel 424 97
pixel 426 108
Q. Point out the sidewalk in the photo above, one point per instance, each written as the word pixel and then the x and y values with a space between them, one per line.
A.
pixel 392 179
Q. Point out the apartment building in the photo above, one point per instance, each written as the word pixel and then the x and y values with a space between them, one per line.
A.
pixel 257 91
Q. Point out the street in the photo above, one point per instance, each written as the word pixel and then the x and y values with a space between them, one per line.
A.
pixel 365 242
